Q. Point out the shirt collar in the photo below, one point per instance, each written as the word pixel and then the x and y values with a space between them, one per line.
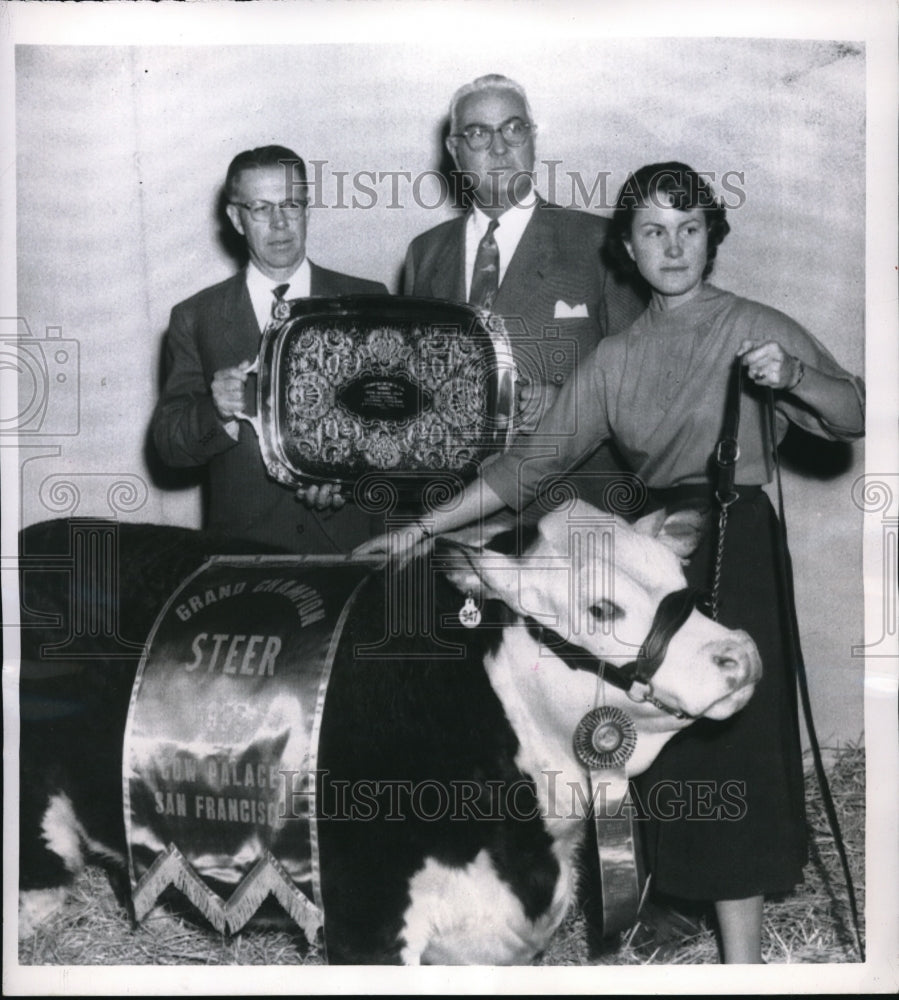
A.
pixel 513 221
pixel 512 224
pixel 298 282
pixel 260 288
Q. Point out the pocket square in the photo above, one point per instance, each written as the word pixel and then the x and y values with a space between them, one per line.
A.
pixel 565 311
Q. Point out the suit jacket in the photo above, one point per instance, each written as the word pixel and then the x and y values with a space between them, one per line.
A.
pixel 557 300
pixel 217 328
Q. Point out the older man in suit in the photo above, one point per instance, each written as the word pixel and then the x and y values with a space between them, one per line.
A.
pixel 534 263
pixel 212 338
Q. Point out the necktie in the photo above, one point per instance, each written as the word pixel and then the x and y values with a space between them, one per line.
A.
pixel 280 309
pixel 485 277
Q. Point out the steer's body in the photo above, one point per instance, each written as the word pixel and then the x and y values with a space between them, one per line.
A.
pixel 449 811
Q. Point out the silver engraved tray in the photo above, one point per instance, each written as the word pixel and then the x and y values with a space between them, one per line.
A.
pixel 359 384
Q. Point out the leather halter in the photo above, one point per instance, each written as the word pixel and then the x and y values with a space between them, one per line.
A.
pixel 673 610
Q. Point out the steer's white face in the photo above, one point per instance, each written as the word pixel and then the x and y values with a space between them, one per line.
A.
pixel 596 581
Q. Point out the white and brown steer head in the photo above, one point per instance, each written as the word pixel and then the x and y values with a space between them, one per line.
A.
pixel 596 582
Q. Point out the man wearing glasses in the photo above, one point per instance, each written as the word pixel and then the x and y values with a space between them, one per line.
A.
pixel 535 264
pixel 213 337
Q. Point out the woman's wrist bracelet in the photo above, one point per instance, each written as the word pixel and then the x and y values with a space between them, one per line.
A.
pixel 425 531
pixel 801 374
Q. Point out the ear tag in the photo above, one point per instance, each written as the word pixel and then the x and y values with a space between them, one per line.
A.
pixel 470 613
pixel 281 310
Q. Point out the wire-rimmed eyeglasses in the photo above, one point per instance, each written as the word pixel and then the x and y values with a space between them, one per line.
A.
pixel 515 132
pixel 262 211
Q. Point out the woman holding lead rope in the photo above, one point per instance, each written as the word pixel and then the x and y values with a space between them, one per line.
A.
pixel 658 392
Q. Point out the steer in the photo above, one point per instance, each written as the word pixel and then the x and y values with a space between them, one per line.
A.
pixel 464 847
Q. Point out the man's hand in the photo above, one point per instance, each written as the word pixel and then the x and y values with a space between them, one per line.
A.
pixel 534 399
pixel 322 497
pixel 228 390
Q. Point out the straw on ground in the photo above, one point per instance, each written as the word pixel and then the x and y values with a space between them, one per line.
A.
pixel 811 925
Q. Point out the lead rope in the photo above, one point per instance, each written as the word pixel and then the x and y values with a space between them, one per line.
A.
pixel 802 681
pixel 727 452
pixel 714 598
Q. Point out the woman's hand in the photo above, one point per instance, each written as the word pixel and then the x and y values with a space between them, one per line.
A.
pixel 837 401
pixel 322 497
pixel 400 543
pixel 769 364
pixel 476 502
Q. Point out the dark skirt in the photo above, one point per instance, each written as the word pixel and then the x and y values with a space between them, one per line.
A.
pixel 725 799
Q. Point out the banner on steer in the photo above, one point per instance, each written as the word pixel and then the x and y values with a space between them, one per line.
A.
pixel 221 742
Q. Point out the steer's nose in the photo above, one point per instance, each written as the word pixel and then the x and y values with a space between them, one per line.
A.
pixel 738 659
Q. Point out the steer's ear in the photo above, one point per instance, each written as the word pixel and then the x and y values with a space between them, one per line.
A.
pixel 680 530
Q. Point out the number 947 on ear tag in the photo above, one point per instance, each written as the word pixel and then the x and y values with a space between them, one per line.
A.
pixel 470 613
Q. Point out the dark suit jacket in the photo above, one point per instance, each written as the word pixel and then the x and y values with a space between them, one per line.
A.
pixel 556 270
pixel 217 328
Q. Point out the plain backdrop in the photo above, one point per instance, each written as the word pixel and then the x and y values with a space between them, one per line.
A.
pixel 121 151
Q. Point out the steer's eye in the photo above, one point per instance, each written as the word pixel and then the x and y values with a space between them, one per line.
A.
pixel 605 610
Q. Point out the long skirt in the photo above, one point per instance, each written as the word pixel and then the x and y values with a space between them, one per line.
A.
pixel 725 799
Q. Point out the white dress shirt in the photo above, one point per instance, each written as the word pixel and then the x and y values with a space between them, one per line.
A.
pixel 260 288
pixel 512 224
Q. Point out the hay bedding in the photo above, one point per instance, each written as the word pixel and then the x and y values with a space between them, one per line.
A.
pixel 811 925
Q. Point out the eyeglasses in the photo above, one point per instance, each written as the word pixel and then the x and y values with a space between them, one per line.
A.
pixel 262 211
pixel 514 131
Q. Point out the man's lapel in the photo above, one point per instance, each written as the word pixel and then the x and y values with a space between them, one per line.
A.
pixel 533 259
pixel 238 321
pixel 447 265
